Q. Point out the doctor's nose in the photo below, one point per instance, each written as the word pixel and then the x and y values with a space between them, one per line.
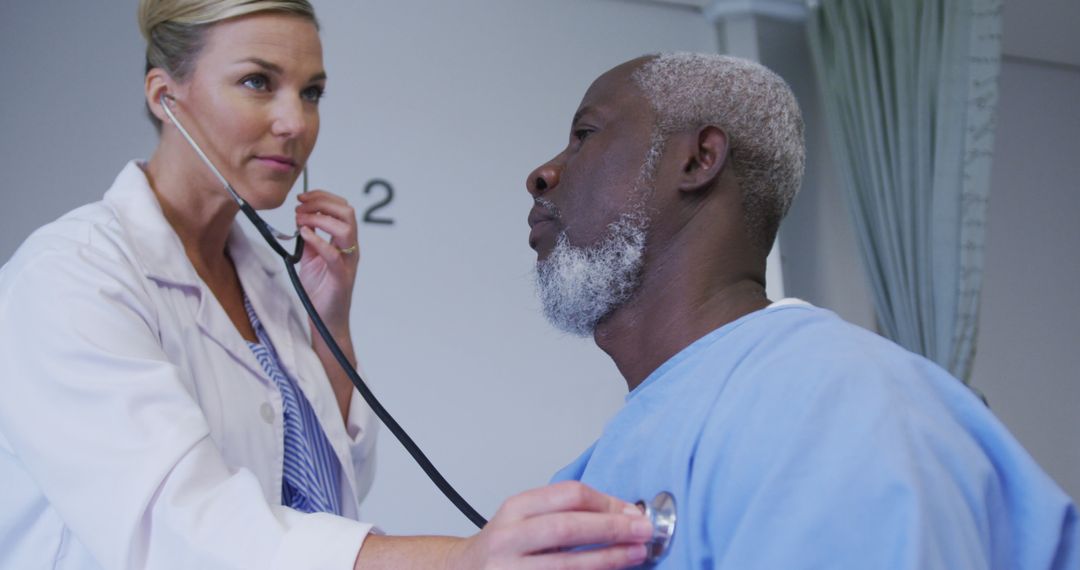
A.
pixel 543 179
pixel 291 119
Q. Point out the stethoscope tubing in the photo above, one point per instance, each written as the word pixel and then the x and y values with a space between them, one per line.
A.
pixel 369 397
pixel 291 259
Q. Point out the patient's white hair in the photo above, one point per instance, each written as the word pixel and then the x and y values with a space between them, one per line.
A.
pixel 756 110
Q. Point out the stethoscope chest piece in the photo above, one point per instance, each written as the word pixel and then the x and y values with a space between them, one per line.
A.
pixel 661 513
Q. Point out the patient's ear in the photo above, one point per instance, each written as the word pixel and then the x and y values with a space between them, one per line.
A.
pixel 703 153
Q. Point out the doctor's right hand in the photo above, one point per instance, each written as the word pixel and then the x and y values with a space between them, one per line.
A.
pixel 538 529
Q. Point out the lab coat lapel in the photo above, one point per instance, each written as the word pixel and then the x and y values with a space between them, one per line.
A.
pixel 157 248
pixel 215 323
pixel 259 269
pixel 162 258
pixel 280 312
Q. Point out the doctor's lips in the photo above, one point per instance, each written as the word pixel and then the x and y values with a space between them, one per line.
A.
pixel 278 162
pixel 541 217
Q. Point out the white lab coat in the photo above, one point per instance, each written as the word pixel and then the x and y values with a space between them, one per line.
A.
pixel 136 427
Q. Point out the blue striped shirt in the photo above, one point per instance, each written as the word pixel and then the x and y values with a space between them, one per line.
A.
pixel 312 472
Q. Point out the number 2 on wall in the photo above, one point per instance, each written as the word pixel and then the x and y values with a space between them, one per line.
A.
pixel 369 214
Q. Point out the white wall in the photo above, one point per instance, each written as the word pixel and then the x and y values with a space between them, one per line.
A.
pixel 1028 363
pixel 70 108
pixel 453 103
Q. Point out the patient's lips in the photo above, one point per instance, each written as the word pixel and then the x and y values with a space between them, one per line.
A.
pixel 542 220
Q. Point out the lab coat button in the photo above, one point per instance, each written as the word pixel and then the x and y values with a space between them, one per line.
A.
pixel 267 412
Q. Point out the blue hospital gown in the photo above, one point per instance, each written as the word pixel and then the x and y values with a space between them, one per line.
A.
pixel 791 439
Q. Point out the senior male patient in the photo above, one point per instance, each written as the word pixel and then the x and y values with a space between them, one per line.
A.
pixel 789 438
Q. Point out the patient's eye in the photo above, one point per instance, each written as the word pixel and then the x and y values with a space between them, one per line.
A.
pixel 582 134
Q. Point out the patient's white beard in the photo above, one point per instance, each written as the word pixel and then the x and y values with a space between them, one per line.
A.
pixel 578 286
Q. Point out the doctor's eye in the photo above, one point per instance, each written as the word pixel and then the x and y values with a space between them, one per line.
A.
pixel 581 134
pixel 256 81
pixel 313 93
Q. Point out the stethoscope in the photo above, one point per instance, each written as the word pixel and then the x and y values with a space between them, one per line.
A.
pixel 660 511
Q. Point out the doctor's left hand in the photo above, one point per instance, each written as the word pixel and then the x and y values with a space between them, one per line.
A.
pixel 328 268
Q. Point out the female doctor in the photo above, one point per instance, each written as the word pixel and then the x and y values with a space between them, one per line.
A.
pixel 162 402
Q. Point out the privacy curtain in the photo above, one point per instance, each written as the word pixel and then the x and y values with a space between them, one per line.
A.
pixel 910 91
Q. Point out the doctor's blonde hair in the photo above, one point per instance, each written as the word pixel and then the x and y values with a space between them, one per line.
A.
pixel 175 30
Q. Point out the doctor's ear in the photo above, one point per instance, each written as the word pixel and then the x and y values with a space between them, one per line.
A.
pixel 157 84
